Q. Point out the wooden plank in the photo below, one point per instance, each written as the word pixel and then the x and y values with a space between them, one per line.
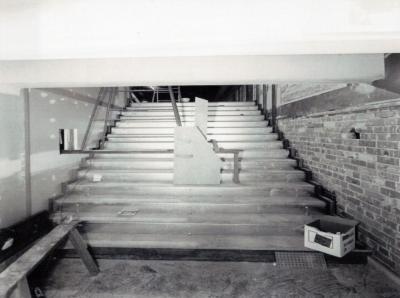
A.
pixel 274 107
pixel 22 290
pixel 265 109
pixel 81 248
pixel 17 271
pixel 27 125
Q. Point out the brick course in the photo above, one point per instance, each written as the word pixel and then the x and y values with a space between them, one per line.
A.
pixel 364 173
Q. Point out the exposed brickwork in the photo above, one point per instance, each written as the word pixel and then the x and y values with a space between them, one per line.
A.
pixel 364 173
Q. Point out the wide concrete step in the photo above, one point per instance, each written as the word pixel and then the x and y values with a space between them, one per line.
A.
pixel 205 203
pixel 267 189
pixel 170 138
pixel 190 118
pixel 192 104
pixel 294 242
pixel 114 145
pixel 156 113
pixel 168 153
pixel 265 228
pixel 168 163
pixel 193 108
pixel 167 124
pixel 218 223
pixel 118 204
pixel 167 176
pixel 160 130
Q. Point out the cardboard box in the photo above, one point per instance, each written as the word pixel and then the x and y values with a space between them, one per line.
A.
pixel 332 235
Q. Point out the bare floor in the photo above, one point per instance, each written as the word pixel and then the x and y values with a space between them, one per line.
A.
pixel 128 278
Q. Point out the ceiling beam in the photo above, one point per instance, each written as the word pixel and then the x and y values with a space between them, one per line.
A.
pixel 205 70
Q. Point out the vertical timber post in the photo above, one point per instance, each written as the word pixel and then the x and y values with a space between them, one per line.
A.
pixel 274 108
pixel 27 126
pixel 264 100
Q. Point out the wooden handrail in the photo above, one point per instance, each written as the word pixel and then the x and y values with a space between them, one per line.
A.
pixel 235 153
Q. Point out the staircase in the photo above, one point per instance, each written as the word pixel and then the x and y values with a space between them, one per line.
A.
pixel 127 199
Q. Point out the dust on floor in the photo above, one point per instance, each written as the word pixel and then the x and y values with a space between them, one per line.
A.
pixel 130 278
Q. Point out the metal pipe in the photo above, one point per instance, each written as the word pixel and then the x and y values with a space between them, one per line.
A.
pixel 174 107
pixel 110 98
pixel 98 100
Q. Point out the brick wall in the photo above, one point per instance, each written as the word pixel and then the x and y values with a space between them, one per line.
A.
pixel 364 173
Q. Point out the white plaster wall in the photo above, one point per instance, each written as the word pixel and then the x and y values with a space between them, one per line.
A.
pixel 12 160
pixel 48 113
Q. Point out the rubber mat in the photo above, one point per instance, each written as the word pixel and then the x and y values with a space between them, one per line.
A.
pixel 300 260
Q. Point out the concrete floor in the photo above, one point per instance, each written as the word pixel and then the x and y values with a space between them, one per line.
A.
pixel 126 278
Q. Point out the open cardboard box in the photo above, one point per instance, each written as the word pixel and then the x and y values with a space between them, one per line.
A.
pixel 332 235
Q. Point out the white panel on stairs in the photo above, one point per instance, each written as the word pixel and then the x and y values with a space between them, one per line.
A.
pixel 195 162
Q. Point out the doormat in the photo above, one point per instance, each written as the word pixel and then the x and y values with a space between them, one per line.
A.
pixel 300 260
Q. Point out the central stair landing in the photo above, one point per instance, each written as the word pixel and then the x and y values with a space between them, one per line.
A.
pixel 128 200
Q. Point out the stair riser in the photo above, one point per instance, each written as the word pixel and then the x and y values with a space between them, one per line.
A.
pixel 127 164
pixel 113 208
pixel 150 114
pixel 264 165
pixel 190 229
pixel 168 177
pixel 170 146
pixel 169 165
pixel 172 124
pixel 129 189
pixel 192 104
pixel 210 130
pixel 192 109
pixel 191 200
pixel 243 154
pixel 189 118
pixel 236 242
pixel 219 138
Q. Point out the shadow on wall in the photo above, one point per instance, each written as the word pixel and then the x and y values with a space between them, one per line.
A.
pixel 12 199
pixel 50 111
pixel 12 160
pixel 349 96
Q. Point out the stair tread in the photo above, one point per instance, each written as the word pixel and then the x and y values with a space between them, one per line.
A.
pixel 219 143
pixel 273 242
pixel 246 159
pixel 227 185
pixel 188 201
pixel 155 171
pixel 198 218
